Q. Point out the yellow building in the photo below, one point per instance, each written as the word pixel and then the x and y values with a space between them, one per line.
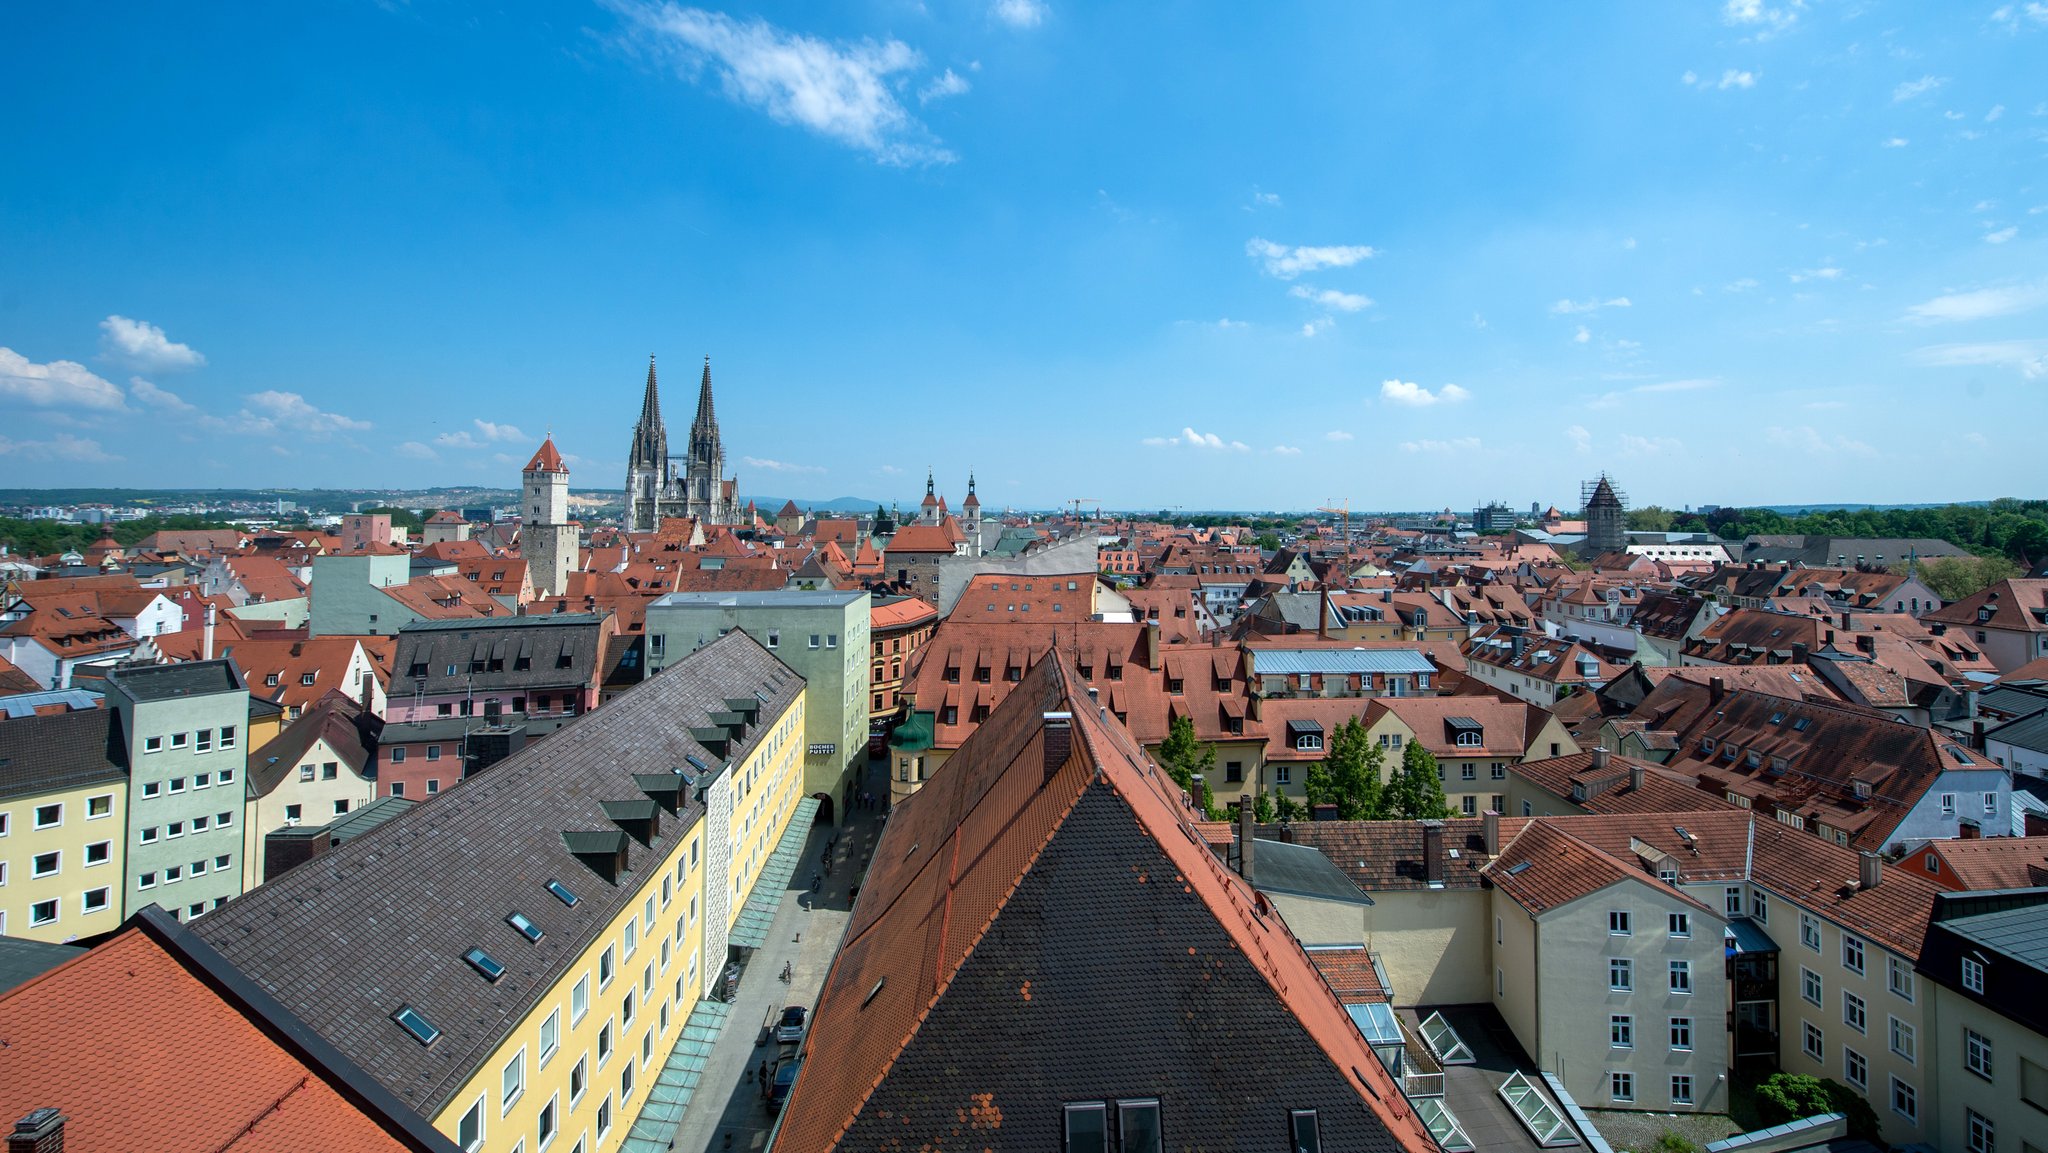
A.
pixel 516 959
pixel 63 808
pixel 1477 741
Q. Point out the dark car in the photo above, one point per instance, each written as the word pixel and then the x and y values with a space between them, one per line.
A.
pixel 779 1084
pixel 791 1028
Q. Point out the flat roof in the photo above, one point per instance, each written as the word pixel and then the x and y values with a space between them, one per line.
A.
pixel 761 599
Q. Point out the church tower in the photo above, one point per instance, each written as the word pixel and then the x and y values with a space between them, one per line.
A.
pixel 546 538
pixel 704 489
pixel 970 522
pixel 647 467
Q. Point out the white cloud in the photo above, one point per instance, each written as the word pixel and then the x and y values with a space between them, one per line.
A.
pixel 1954 115
pixel 2029 356
pixel 1734 78
pixel 63 446
pixel 1825 272
pixel 1264 199
pixel 2001 236
pixel 1997 110
pixel 1614 399
pixel 1331 298
pixel 1629 243
pixel 1478 321
pixel 1286 262
pixel 1894 142
pixel 1690 77
pixel 1825 405
pixel 1338 434
pixel 1574 307
pixel 841 91
pixel 414 450
pixel 1415 396
pixel 1811 442
pixel 459 439
pixel 141 345
pixel 889 470
pixel 498 432
pixel 149 394
pixel 1226 322
pixel 1286 450
pixel 1985 302
pixel 1319 325
pixel 1583 335
pixel 778 465
pixel 1743 285
pixel 58 384
pixel 1192 439
pixel 1916 88
pixel 2010 14
pixel 271 411
pixel 948 83
pixel 1761 16
pixel 1019 13
pixel 1633 445
pixel 1582 441
pixel 1461 444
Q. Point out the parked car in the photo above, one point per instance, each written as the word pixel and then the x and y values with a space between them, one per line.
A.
pixel 791 1028
pixel 781 1082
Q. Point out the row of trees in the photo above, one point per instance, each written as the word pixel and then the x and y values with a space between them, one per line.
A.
pixel 2014 529
pixel 1352 776
pixel 49 537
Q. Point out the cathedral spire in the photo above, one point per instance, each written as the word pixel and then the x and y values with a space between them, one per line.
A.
pixel 650 405
pixel 707 416
pixel 650 437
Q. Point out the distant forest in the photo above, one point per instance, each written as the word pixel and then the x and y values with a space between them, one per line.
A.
pixel 2014 529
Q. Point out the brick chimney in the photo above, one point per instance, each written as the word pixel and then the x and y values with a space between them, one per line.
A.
pixel 1244 842
pixel 1717 687
pixel 1433 852
pixel 42 1131
pixel 1869 870
pixel 1059 741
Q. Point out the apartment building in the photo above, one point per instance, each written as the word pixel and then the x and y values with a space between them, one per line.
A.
pixel 63 841
pixel 181 731
pixel 1982 967
pixel 515 961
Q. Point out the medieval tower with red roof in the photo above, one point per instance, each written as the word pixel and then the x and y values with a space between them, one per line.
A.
pixel 547 537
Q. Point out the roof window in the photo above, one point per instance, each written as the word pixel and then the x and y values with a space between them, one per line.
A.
pixel 484 963
pixel 525 925
pixel 562 893
pixel 414 1022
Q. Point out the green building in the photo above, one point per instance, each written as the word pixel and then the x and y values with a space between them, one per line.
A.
pixel 182 730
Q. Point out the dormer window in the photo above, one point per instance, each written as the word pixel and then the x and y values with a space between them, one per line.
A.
pixel 1984 614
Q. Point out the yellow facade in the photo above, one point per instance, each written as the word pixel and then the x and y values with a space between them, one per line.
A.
pixel 593 1044
pixel 62 855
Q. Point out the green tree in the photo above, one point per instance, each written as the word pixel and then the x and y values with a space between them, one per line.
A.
pixel 1955 578
pixel 1184 757
pixel 1783 1097
pixel 1354 769
pixel 1418 793
pixel 1290 810
pixel 1262 809
pixel 1650 518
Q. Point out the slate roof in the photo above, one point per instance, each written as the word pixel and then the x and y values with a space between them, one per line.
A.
pixel 2029 732
pixel 1029 937
pixel 165 682
pixel 22 959
pixel 43 754
pixel 384 919
pixel 2020 933
pixel 486 654
pixel 1383 856
pixel 1278 867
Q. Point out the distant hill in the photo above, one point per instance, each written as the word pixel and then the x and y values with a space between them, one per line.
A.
pixel 1846 506
pixel 767 505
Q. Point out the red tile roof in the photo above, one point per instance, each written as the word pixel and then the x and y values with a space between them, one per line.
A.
pixel 547 459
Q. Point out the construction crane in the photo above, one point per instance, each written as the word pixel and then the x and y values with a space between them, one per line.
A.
pixel 1345 511
pixel 1077 502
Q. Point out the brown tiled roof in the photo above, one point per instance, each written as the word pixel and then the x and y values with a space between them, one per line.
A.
pixel 1028 936
pixel 1350 974
pixel 1609 790
pixel 1507 726
pixel 1544 867
pixel 547 459
pixel 1983 862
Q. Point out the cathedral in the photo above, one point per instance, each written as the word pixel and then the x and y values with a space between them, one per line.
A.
pixel 659 485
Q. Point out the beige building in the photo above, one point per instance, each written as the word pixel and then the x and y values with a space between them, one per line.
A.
pixel 1476 739
pixel 62 833
pixel 311 773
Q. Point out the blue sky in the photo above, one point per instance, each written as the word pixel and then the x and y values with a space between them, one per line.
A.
pixel 1211 256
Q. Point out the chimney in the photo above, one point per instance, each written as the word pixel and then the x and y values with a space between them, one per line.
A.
pixel 1968 831
pixel 1489 831
pixel 1323 614
pixel 1799 652
pixel 1059 741
pixel 1599 758
pixel 1635 778
pixel 1152 654
pixel 1244 841
pixel 1977 734
pixel 1869 870
pixel 1717 687
pixel 42 1131
pixel 206 643
pixel 1433 852
pixel 1865 643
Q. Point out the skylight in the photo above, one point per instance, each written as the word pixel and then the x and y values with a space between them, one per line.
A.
pixel 562 893
pixel 484 963
pixel 414 1022
pixel 700 766
pixel 525 925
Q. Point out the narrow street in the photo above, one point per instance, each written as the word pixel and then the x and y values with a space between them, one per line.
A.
pixel 728 1111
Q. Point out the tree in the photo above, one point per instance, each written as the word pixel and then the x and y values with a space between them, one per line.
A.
pixel 1783 1097
pixel 1262 809
pixel 1955 578
pixel 1289 809
pixel 1354 769
pixel 1418 793
pixel 1183 757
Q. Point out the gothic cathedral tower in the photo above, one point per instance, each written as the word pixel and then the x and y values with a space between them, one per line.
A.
pixel 705 493
pixel 546 537
pixel 647 466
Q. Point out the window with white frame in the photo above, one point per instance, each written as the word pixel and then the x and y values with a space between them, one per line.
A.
pixel 1855 1068
pixel 1977 1053
pixel 1973 975
pixel 1814 1044
pixel 1621 1031
pixel 1620 922
pixel 1679 924
pixel 1905 1100
pixel 1681 1033
pixel 1903 1041
pixel 1731 900
pixel 1681 1088
pixel 1852 1011
pixel 1809 931
pixel 1620 975
pixel 550 1037
pixel 1852 953
pixel 512 1082
pixel 579 999
pixel 1621 1086
pixel 469 1132
pixel 1977 1133
pixel 1681 976
pixel 1759 907
pixel 1900 976
pixel 1809 985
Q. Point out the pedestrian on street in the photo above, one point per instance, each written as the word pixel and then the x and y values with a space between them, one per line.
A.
pixel 761 1074
pixel 814 882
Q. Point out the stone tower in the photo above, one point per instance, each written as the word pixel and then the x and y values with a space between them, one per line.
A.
pixel 1606 519
pixel 647 467
pixel 546 537
pixel 705 492
pixel 970 518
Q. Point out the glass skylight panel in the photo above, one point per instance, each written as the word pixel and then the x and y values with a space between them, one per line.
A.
pixel 1444 1041
pixel 484 963
pixel 1535 1111
pixel 562 893
pixel 525 925
pixel 414 1022
pixel 1443 1125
